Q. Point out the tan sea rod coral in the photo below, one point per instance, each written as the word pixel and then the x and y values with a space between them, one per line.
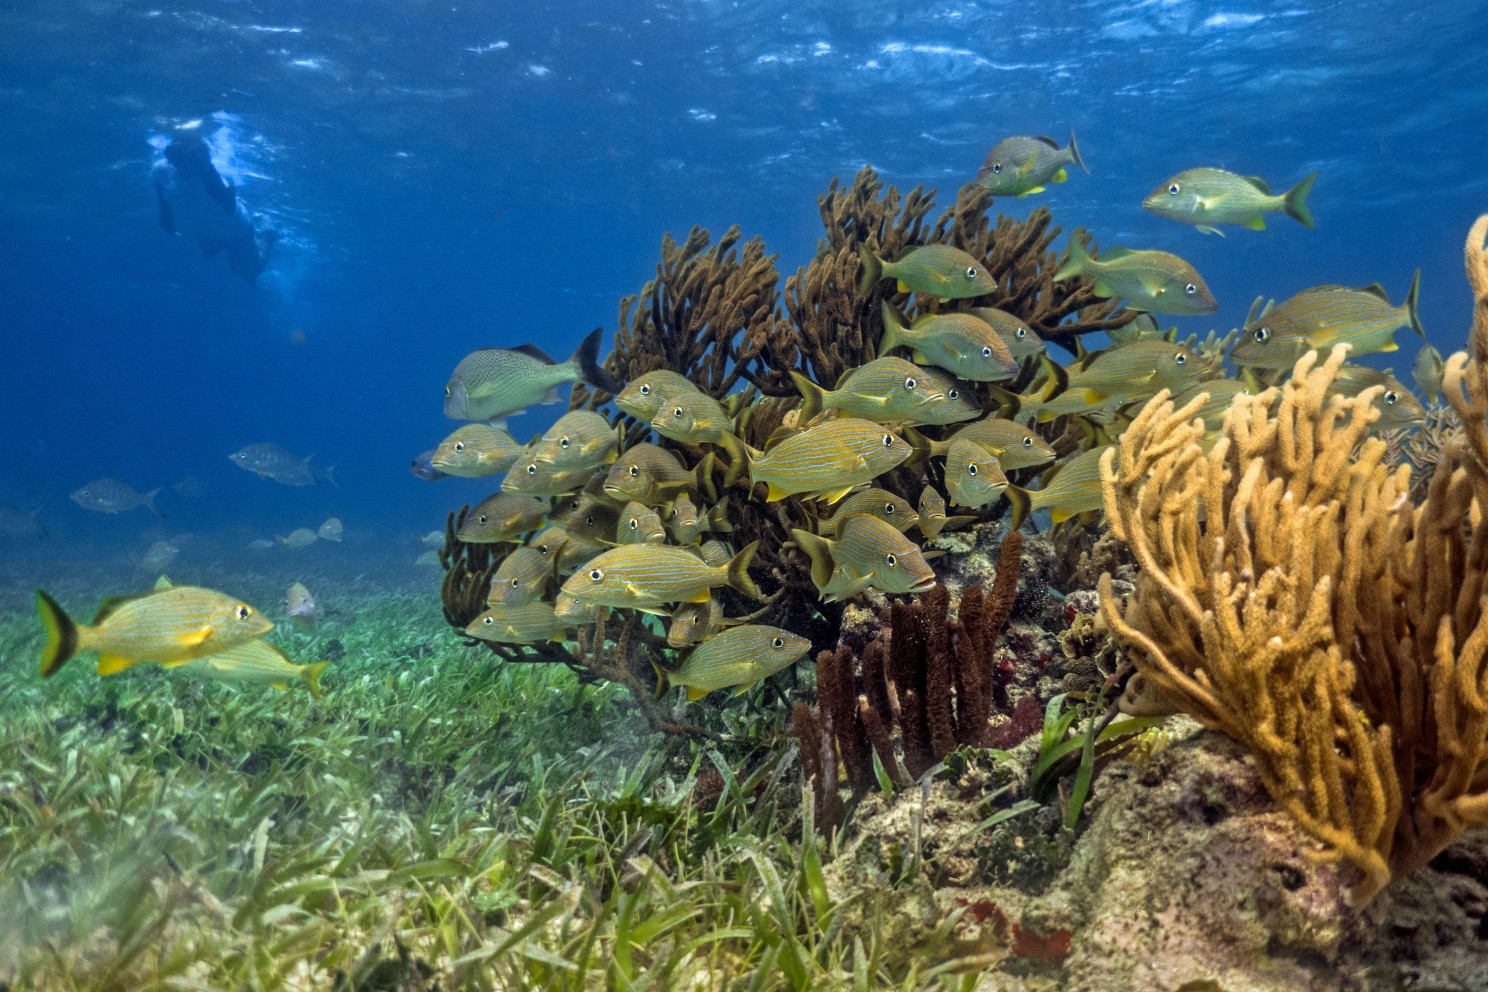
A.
pixel 1292 596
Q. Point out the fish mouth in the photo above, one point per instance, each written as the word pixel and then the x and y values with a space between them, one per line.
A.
pixel 924 585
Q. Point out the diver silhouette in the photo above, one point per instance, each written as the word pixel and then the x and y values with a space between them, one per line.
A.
pixel 196 201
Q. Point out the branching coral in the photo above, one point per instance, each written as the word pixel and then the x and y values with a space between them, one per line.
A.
pixel 1294 597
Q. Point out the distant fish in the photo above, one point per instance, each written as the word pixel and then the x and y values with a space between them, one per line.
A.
pixel 158 556
pixel 113 496
pixel 261 544
pixel 1428 370
pixel 429 559
pixel 268 460
pixel 1153 281
pixel 299 606
pixel 20 525
pixel 423 466
pixel 257 661
pixel 1206 197
pixel 190 488
pixel 434 539
pixel 1021 165
pixel 735 659
pixel 168 626
pixel 1324 316
pixel 300 537
pixel 493 383
pixel 331 530
pixel 942 271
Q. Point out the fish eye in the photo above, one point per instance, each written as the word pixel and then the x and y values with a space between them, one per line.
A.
pixel 483 518
pixel 446 392
pixel 996 168
pixel 889 509
pixel 910 383
pixel 1173 189
pixel 544 550
pixel 645 390
pixel 563 442
pixel 532 468
pixel 596 574
pixel 1392 397
pixel 489 621
pixel 986 352
pixel 1261 334
pixel 459 446
pixel 589 519
pixel 888 440
pixel 677 411
pixel 1021 333
pixel 1028 442
pixel 243 612
pixel 777 643
pixel 954 394
pixel 971 272
pixel 635 471
pixel 892 559
pixel 635 523
pixel 1181 359
pixel 971 470
pixel 514 583
pixel 1190 289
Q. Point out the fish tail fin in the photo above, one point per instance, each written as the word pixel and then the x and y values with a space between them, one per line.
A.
pixel 1079 259
pixel 1412 301
pixel 872 270
pixel 586 359
pixel 150 501
pixel 1021 504
pixel 738 572
pixel 921 447
pixel 329 475
pixel 662 682
pixel 1294 201
pixel 893 332
pixel 1074 151
pixel 717 518
pixel 738 464
pixel 812 397
pixel 310 674
pixel 819 550
pixel 61 634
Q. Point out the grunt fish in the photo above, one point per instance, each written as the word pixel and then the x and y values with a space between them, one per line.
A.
pixel 268 460
pixel 300 537
pixel 167 626
pixel 534 477
pixel 331 530
pixel 423 466
pixel 736 658
pixel 522 576
pixel 942 271
pixel 645 576
pixel 1205 197
pixel 958 342
pixel 973 475
pixel 933 517
pixel 686 523
pixel 1317 319
pixel 1427 371
pixel 299 605
pixel 1021 340
pixel 525 623
pixel 647 474
pixel 1154 281
pixel 1074 488
pixel 494 383
pixel 692 622
pixel 880 503
pixel 578 440
pixel 869 553
pixel 1021 165
pixel 158 556
pixel 644 394
pixel 639 524
pixel 1014 445
pixel 257 661
pixel 1397 406
pixel 829 460
pixel 475 451
pixel 503 517
pixel 890 391
pixel 113 496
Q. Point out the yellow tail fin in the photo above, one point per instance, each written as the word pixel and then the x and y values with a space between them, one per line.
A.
pixel 311 675
pixel 61 634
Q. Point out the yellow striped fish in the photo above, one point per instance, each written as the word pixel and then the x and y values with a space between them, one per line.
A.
pixel 692 622
pixel 686 523
pixel 476 450
pixel 524 623
pixel 647 474
pixel 503 517
pixel 880 503
pixel 574 612
pixel 890 391
pixel 645 576
pixel 588 515
pixel 521 577
pixel 933 517
pixel 1014 445
pixel 1317 319
pixel 532 476
pixel 1021 340
pixel 643 395
pixel 715 552
pixel 829 460
pixel 1397 406
pixel 257 661
pixel 1221 393
pixel 959 342
pixel 578 440
pixel 167 626
pixel 639 524
pixel 1074 489
pixel 973 475
pixel 942 271
pixel 869 553
pixel 1154 281
pixel 738 657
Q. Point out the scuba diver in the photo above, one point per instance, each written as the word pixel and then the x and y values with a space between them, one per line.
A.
pixel 195 200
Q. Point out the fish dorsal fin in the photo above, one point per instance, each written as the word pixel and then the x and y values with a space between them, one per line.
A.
pixel 1375 289
pixel 1110 254
pixel 163 582
pixel 1259 184
pixel 111 605
pixel 778 435
pixel 533 351
pixel 1048 141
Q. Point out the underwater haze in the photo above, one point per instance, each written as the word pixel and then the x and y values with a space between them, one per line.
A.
pixel 446 177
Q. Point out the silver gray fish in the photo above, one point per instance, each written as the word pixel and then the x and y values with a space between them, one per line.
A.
pixel 18 524
pixel 423 466
pixel 158 556
pixel 268 460
pixel 299 606
pixel 113 496
pixel 493 383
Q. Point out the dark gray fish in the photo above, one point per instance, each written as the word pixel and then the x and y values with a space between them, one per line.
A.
pixel 423 466
pixel 113 496
pixel 268 460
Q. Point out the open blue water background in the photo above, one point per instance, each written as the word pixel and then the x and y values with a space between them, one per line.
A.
pixel 449 176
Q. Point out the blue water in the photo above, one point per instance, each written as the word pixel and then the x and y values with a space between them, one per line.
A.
pixel 455 176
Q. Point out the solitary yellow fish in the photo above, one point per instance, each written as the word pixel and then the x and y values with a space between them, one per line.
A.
pixel 168 626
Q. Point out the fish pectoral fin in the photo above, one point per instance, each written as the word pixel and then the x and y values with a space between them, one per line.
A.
pixel 694 693
pixel 1206 229
pixel 903 286
pixel 774 492
pixel 1030 192
pixel 281 686
pixel 833 495
pixel 178 662
pixel 112 664
pixel 742 689
pixel 1059 177
pixel 194 638
pixel 1255 224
